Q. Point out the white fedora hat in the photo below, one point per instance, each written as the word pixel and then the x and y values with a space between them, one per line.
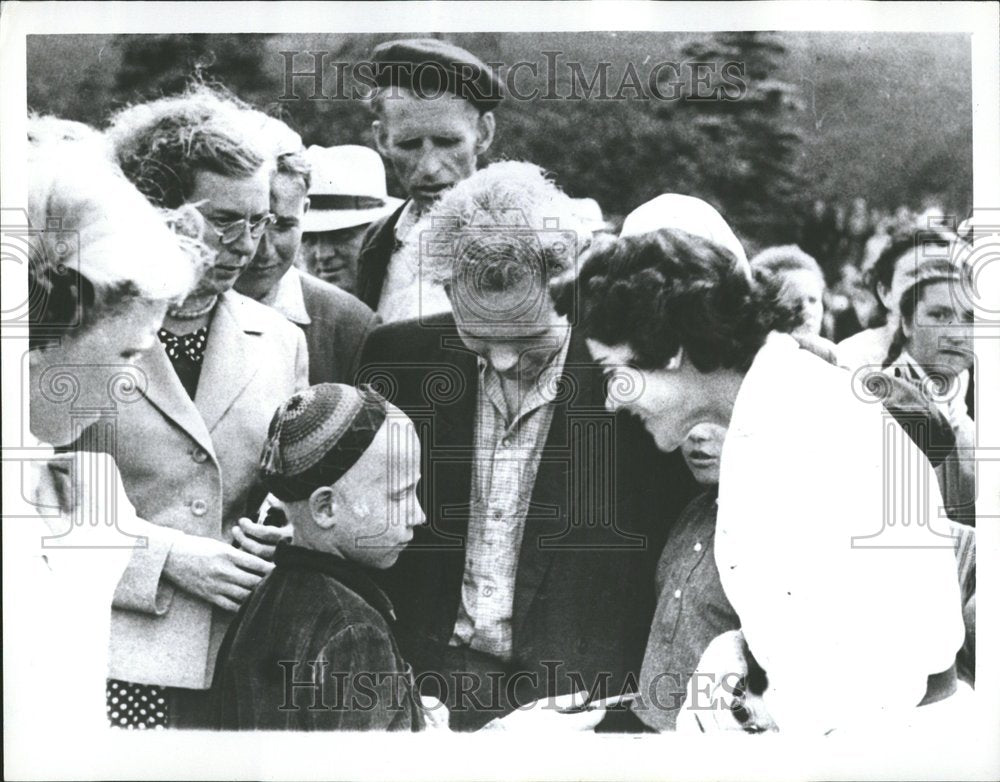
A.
pixel 348 188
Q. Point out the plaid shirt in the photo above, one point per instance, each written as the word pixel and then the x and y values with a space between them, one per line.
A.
pixel 503 477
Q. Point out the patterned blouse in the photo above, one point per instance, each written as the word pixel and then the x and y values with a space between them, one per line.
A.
pixel 186 353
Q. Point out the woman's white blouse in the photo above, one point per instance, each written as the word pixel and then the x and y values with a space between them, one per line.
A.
pixel 68 533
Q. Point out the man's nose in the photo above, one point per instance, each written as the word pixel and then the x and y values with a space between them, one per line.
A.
pixel 245 245
pixel 264 248
pixel 430 161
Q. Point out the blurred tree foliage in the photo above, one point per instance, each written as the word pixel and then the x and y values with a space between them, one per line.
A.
pixel 830 127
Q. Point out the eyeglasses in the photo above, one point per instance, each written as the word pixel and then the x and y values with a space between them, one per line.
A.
pixel 231 232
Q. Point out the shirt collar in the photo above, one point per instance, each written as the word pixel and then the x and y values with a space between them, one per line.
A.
pixel 286 297
pixel 291 557
pixel 407 219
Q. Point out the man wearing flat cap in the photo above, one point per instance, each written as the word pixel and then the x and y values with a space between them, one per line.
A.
pixel 433 109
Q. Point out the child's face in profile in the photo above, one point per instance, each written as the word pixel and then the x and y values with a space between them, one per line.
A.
pixel 377 505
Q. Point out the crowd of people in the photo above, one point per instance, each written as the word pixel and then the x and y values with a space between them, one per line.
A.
pixel 471 460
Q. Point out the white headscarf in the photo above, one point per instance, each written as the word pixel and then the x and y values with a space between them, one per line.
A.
pixel 685 213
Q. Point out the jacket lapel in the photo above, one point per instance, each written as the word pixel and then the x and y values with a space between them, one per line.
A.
pixel 374 258
pixel 228 366
pixel 165 392
pixel 550 523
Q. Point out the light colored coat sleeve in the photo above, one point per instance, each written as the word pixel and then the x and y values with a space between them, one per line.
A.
pixel 191 468
pixel 142 586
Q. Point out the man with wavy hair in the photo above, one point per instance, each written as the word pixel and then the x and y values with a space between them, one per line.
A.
pixel 545 513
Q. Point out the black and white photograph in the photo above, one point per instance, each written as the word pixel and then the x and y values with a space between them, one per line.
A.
pixel 567 390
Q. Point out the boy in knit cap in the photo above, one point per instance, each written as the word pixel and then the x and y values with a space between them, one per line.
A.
pixel 313 648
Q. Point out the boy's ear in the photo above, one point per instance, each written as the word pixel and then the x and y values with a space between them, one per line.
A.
pixel 323 507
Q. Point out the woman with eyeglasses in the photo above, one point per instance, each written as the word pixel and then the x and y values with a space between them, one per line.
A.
pixel 188 448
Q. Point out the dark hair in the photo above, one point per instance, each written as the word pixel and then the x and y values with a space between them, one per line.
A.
pixel 884 268
pixel 161 146
pixel 666 290
pixel 908 302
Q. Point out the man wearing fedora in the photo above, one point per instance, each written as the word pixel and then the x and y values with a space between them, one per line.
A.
pixel 347 194
pixel 433 108
pixel 335 323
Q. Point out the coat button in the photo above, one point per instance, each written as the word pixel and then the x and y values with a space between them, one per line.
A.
pixel 199 507
pixel 199 455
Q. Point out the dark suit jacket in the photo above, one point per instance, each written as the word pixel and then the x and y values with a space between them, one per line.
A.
pixel 603 501
pixel 377 247
pixel 339 327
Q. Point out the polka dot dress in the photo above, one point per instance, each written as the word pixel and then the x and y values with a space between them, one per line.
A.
pixel 190 347
pixel 136 706
pixel 186 353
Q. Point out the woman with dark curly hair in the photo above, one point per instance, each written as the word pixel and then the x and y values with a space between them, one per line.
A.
pixel 688 338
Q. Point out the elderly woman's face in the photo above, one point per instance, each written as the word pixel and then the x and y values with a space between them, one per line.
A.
pixel 223 201
pixel 91 370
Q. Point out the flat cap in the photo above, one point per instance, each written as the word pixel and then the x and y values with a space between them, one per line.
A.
pixel 431 68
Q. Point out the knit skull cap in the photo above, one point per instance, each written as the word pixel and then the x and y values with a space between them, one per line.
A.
pixel 317 435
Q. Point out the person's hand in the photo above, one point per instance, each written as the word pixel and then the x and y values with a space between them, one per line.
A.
pixel 548 715
pixel 436 715
pixel 214 571
pixel 717 695
pixel 260 539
